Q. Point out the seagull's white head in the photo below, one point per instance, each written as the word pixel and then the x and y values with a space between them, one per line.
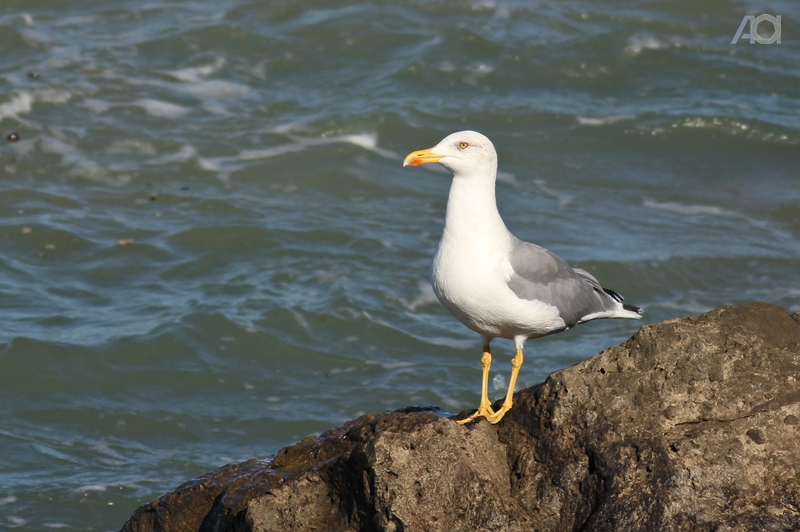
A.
pixel 466 153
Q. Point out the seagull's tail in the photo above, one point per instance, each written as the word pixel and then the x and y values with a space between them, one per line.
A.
pixel 633 308
pixel 625 306
pixel 613 305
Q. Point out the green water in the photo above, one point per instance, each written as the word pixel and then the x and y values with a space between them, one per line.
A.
pixel 209 248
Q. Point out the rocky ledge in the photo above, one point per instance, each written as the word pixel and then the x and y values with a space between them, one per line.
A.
pixel 692 424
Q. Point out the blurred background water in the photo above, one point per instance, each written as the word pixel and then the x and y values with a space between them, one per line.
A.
pixel 209 249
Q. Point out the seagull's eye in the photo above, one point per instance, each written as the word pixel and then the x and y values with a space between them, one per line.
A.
pixel 463 145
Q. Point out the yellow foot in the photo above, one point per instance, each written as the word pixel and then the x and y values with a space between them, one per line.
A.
pixel 484 410
pixel 497 416
pixel 516 363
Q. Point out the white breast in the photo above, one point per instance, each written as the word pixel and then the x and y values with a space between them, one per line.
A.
pixel 470 278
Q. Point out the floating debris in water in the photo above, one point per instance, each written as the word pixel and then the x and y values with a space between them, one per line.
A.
pixel 13 136
pixel 124 241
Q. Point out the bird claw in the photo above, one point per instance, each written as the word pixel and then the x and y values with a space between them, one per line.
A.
pixel 497 416
pixel 484 410
pixel 491 417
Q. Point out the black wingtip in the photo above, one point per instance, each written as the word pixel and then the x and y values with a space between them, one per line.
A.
pixel 615 296
pixel 619 299
pixel 632 308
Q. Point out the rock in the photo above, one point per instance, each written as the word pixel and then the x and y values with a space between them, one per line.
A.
pixel 692 424
pixel 680 428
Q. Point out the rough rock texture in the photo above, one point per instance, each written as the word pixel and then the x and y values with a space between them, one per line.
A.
pixel 692 424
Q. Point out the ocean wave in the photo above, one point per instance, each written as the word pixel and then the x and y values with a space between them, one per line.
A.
pixel 161 109
pixel 642 41
pixel 596 121
pixel 208 242
pixel 735 127
pixel 224 166
pixel 21 102
pixel 701 210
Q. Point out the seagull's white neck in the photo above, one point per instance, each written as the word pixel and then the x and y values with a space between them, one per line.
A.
pixel 472 211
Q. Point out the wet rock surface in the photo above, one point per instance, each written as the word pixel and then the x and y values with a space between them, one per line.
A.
pixel 692 424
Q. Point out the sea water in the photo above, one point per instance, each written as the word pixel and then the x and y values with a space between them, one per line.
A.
pixel 209 248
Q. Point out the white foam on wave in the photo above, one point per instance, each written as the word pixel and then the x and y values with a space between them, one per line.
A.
pixel 642 41
pixel 214 92
pixel 129 147
pixel 53 453
pixel 507 178
pixel 480 68
pixel 365 140
pixel 50 95
pixel 94 171
pixel 592 121
pixel 433 340
pixel 78 20
pixel 266 153
pixel 287 127
pixel 214 166
pixel 425 295
pixel 192 81
pixel 259 70
pixel 196 73
pixel 8 500
pixel 499 11
pixel 186 153
pixel 64 57
pixel 95 105
pixel 218 88
pixel 92 487
pixel 389 365
pixel 161 109
pixel 728 126
pixel 476 71
pixel 227 165
pixel 499 383
pixel 692 210
pixel 21 102
pixel 447 342
pixel 108 451
pixel 99 488
pixel 16 521
pixel 81 166
pixel 700 210
pixel 563 199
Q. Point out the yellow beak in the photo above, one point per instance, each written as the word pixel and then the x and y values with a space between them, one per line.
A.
pixel 416 158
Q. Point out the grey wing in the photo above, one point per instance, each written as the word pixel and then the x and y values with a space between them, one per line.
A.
pixel 543 276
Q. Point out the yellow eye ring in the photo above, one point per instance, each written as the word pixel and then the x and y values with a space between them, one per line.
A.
pixel 463 145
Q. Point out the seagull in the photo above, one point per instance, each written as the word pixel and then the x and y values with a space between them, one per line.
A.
pixel 494 283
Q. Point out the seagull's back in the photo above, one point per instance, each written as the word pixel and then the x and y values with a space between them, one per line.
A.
pixel 541 275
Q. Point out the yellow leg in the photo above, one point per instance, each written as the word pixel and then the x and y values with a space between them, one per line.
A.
pixel 486 363
pixel 516 363
pixel 485 407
